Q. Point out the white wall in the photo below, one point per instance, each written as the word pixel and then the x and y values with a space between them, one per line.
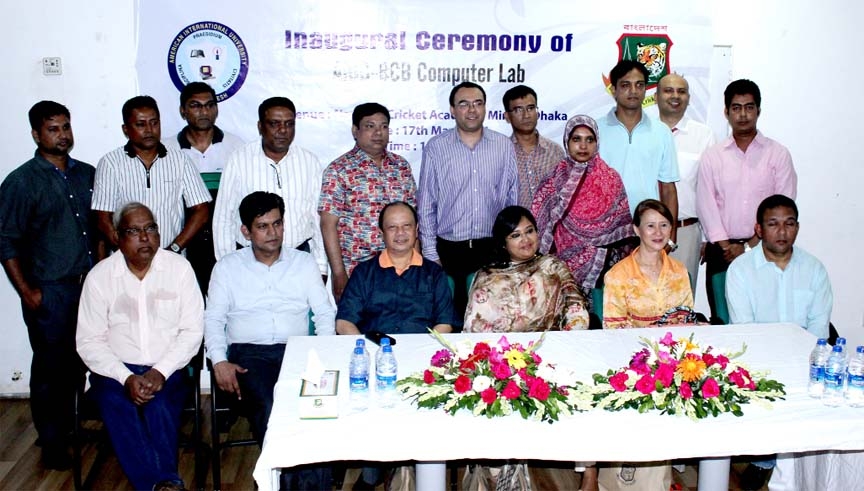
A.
pixel 799 52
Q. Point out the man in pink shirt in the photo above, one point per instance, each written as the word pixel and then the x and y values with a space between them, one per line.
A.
pixel 734 177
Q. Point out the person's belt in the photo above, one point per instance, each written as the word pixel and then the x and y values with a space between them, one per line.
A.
pixel 686 222
pixel 75 279
pixel 470 243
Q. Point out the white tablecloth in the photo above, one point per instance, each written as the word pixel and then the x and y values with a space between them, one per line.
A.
pixel 405 433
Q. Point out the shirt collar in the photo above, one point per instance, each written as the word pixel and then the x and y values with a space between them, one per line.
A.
pixel 161 151
pixel 759 140
pixel 385 261
pixel 218 136
pixel 761 261
pixel 43 162
pixel 157 264
pixel 612 119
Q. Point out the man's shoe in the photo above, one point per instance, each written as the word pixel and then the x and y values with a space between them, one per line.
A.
pixel 56 458
pixel 754 477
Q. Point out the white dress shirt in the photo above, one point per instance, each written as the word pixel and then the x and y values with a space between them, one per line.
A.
pixel 157 321
pixel 691 139
pixel 296 178
pixel 250 302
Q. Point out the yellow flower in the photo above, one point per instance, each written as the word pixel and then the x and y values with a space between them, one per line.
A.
pixel 688 346
pixel 691 368
pixel 515 359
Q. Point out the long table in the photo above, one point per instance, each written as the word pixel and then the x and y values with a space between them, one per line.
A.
pixel 796 424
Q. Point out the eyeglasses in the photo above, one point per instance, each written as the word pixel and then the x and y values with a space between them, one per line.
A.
pixel 464 105
pixel 520 110
pixel 136 232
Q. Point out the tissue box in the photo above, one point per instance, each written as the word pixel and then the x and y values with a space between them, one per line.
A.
pixel 321 402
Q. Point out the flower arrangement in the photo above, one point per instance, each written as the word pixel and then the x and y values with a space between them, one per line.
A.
pixel 677 376
pixel 496 380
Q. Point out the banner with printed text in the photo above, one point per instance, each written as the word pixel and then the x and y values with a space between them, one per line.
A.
pixel 329 56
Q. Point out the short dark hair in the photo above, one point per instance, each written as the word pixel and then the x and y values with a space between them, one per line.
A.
pixel 258 204
pixel 392 204
pixel 194 88
pixel 505 223
pixel 624 67
pixel 45 110
pixel 742 87
pixel 465 85
pixel 368 109
pixel 651 204
pixel 517 92
pixel 274 102
pixel 775 201
pixel 138 102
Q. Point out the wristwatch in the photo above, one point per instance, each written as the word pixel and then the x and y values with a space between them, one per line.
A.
pixel 175 248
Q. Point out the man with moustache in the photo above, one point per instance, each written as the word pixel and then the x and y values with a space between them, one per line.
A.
pixel 639 148
pixel 47 246
pixel 209 147
pixel 735 175
pixel 467 176
pixel 691 139
pixel 356 186
pixel 144 170
pixel 536 156
pixel 140 321
pixel 274 165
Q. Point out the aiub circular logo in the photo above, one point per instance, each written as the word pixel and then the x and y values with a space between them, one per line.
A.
pixel 209 52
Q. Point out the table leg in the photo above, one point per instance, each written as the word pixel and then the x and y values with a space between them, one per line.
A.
pixel 431 476
pixel 714 474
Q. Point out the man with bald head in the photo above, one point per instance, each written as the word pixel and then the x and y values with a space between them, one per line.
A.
pixel 691 139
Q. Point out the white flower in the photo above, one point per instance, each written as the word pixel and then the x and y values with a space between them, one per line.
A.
pixel 481 383
pixel 464 349
pixel 546 372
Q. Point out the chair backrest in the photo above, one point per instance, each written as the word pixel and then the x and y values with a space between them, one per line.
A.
pixel 718 283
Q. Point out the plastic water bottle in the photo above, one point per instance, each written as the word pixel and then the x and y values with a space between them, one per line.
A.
pixel 835 374
pixel 385 374
pixel 818 360
pixel 855 390
pixel 358 377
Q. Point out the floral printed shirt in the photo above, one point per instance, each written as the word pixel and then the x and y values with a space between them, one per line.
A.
pixel 355 189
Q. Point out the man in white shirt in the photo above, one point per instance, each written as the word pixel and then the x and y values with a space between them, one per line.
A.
pixel 140 321
pixel 259 297
pixel 691 139
pixel 276 166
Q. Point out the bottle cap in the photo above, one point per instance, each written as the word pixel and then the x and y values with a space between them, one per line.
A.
pixel 358 350
pixel 385 342
pixel 822 341
pixel 837 348
pixel 841 341
pixel 387 348
pixel 361 343
pixel 860 349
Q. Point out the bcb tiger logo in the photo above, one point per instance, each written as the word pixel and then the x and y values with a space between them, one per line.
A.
pixel 653 56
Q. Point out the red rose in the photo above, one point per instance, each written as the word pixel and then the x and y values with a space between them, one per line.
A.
pixel 722 361
pixel 617 381
pixel 709 359
pixel 685 390
pixel 501 370
pixel 462 384
pixel 539 389
pixel 665 373
pixel 468 364
pixel 645 384
pixel 489 395
pixel 481 350
pixel 710 388
pixel 511 390
pixel 428 377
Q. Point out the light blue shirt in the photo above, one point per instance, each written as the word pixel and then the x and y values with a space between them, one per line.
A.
pixel 642 158
pixel 250 302
pixel 759 291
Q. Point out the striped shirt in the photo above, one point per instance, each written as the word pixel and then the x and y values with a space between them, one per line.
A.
pixel 296 178
pixel 171 180
pixel 463 189
pixel 533 166
pixel 214 157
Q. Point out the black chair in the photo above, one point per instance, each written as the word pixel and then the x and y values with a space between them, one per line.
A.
pixel 223 415
pixel 88 428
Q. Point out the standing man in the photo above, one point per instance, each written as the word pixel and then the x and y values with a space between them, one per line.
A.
pixel 778 282
pixel 276 166
pixel 145 171
pixel 259 297
pixel 467 176
pixel 735 175
pixel 640 149
pixel 536 156
pixel 355 188
pixel 691 139
pixel 208 147
pixel 47 245
pixel 140 322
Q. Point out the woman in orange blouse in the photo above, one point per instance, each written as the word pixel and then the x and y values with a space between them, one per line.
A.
pixel 648 288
